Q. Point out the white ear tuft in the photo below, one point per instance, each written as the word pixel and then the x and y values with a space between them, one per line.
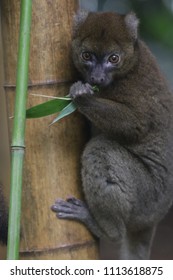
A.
pixel 132 23
pixel 79 18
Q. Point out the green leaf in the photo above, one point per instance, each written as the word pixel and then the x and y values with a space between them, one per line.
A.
pixel 95 88
pixel 48 108
pixel 70 108
pixel 53 106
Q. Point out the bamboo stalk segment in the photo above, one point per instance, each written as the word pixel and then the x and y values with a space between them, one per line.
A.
pixel 18 137
pixel 52 158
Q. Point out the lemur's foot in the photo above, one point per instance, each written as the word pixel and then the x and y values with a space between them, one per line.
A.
pixel 71 208
pixel 75 209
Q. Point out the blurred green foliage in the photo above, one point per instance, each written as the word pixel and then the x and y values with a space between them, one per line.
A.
pixel 156 20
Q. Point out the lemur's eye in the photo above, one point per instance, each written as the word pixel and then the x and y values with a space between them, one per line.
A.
pixel 86 56
pixel 114 58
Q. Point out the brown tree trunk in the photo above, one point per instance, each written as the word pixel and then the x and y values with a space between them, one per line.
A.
pixel 52 159
pixel 4 143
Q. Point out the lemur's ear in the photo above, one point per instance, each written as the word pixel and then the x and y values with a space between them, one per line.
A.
pixel 79 18
pixel 132 23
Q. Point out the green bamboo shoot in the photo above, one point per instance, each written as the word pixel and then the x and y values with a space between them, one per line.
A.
pixel 18 136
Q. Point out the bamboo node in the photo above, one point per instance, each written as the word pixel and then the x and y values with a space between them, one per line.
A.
pixel 16 148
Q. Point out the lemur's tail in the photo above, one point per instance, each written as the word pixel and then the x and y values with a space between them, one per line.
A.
pixel 3 219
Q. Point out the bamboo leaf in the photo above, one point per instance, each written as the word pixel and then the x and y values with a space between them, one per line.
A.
pixel 48 108
pixel 70 108
pixel 54 106
pixel 95 88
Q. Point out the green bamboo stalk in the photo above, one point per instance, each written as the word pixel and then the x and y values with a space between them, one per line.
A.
pixel 18 137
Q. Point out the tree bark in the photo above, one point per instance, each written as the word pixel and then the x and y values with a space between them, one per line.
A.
pixel 4 144
pixel 52 158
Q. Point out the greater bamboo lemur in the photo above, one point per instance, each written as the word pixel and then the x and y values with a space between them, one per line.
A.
pixel 127 168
